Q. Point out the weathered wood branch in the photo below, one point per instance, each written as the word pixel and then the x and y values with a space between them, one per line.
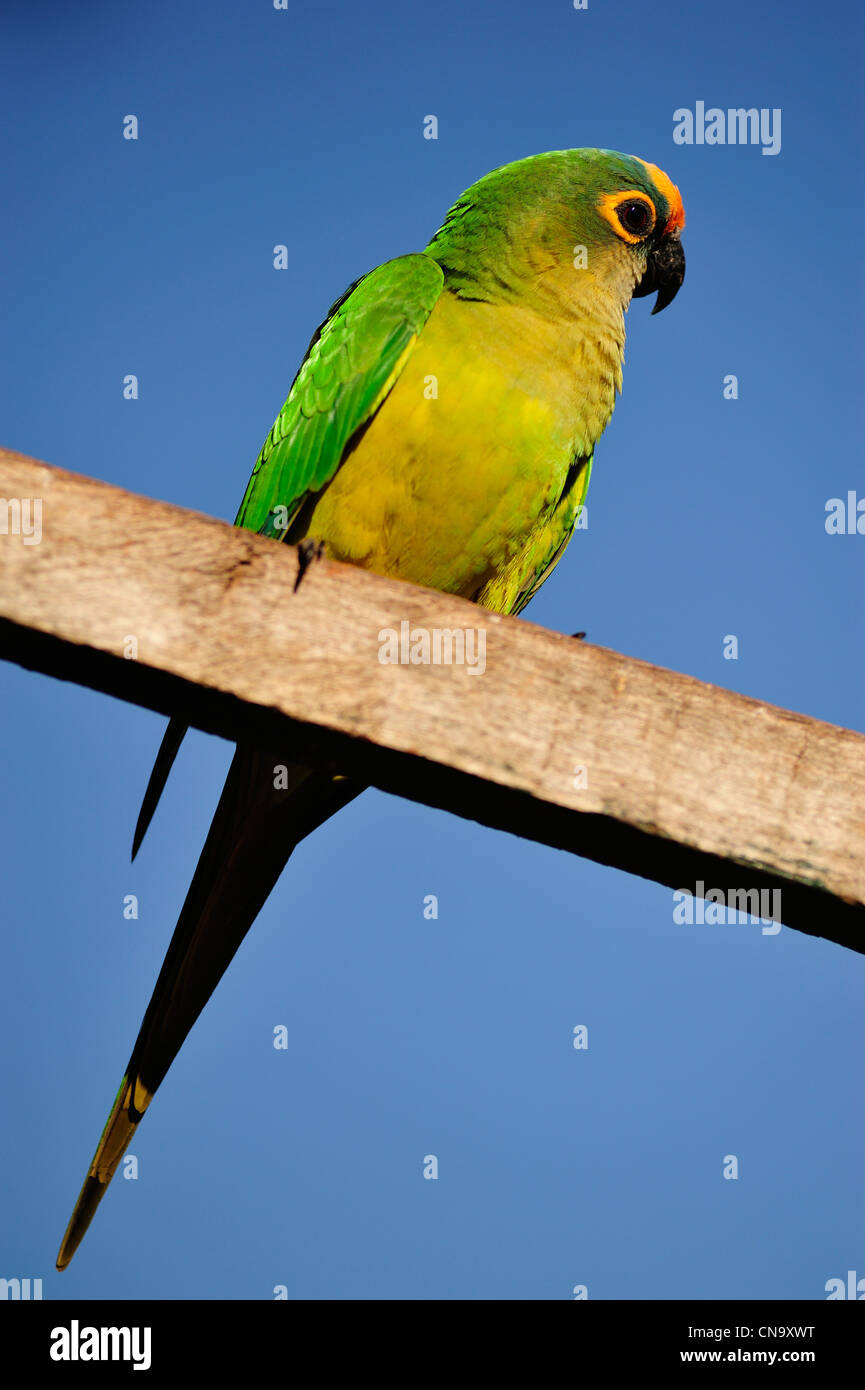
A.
pixel 682 783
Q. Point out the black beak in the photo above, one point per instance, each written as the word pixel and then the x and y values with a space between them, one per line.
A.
pixel 665 271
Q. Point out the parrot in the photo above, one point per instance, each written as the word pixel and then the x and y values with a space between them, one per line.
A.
pixel 440 430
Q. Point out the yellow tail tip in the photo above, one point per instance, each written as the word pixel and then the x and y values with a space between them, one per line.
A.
pixel 85 1209
pixel 118 1131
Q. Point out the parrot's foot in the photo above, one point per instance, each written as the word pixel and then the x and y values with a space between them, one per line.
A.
pixel 578 636
pixel 307 551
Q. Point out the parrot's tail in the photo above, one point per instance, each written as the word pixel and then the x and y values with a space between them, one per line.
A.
pixel 266 808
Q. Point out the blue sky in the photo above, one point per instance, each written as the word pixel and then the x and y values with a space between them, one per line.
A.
pixel 408 1037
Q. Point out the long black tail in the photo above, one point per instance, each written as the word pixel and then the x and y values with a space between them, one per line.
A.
pixel 264 811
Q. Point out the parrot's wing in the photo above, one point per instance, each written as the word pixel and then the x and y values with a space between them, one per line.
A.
pixel 350 366
pixel 171 741
pixel 352 361
pixel 548 558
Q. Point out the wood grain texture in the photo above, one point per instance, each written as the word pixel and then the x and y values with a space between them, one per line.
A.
pixel 684 782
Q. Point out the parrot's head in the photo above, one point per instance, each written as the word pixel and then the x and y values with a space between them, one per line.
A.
pixel 563 225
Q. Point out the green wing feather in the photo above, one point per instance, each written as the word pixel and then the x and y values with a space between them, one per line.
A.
pixel 350 365
pixel 575 490
pixel 353 360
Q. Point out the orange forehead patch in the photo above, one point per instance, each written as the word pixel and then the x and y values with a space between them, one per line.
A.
pixel 665 185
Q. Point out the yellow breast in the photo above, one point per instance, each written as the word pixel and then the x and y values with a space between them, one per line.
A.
pixel 470 451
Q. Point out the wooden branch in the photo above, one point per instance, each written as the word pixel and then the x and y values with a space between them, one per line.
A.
pixel 682 782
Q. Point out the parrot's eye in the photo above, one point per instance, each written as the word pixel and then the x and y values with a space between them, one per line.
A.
pixel 636 217
pixel 630 212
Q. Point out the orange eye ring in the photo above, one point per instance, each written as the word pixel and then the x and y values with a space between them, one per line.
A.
pixel 631 214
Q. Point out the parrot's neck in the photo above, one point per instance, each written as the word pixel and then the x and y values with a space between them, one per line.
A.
pixel 560 321
pixel 562 337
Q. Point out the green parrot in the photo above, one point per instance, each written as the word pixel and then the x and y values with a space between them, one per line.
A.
pixel 440 430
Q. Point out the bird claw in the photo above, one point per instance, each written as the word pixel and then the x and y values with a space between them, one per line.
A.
pixel 307 551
